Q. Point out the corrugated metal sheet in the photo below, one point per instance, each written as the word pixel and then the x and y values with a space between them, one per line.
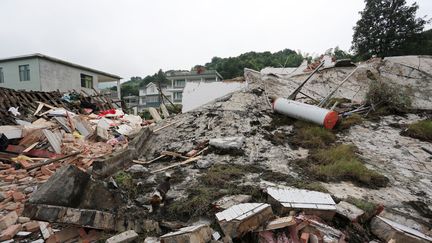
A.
pixel 297 198
pixel 241 211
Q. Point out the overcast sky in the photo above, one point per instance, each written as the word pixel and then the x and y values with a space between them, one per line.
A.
pixel 136 38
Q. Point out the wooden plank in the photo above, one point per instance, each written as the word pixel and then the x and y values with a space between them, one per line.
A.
pixel 190 160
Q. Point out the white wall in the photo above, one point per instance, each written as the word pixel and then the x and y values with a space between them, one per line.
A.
pixel 11 75
pixel 55 76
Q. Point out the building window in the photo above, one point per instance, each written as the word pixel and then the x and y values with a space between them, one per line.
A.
pixel 179 83
pixel 1 75
pixel 152 99
pixel 178 95
pixel 24 72
pixel 86 81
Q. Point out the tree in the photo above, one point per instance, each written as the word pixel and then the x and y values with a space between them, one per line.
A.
pixel 232 67
pixel 384 27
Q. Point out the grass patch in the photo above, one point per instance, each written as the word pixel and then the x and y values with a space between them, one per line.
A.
pixel 308 135
pixel 350 121
pixel 220 180
pixel 421 130
pixel 125 181
pixel 312 186
pixel 221 174
pixel 341 162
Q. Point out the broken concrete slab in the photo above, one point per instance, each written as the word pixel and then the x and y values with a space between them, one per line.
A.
pixel 81 217
pixel 229 201
pixel 137 169
pixel 198 233
pixel 227 144
pixel 102 129
pixel 45 230
pixel 64 188
pixel 204 164
pixel 242 218
pixel 123 237
pixel 285 200
pixel 109 164
pixel 155 114
pixel 386 230
pixel 349 211
pixel 280 223
pixel 164 110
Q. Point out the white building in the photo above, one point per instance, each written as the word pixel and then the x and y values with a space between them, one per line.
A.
pixel 149 95
pixel 43 73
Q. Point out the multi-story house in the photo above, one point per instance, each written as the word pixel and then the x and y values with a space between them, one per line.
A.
pixel 149 95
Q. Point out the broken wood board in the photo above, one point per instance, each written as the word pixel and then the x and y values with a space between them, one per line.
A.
pixel 54 140
pixel 190 160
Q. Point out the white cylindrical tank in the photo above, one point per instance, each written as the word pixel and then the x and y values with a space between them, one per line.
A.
pixel 302 111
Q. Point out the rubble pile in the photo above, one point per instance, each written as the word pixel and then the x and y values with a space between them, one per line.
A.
pixel 234 170
pixel 42 138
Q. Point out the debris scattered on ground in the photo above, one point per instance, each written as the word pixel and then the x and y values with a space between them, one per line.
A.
pixel 77 168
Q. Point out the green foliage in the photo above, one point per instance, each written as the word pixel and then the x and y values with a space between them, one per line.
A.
pixel 421 130
pixel 125 181
pixel 420 44
pixel 232 67
pixel 132 86
pixel 366 206
pixel 384 28
pixel 339 54
pixel 393 97
pixel 309 135
pixel 341 162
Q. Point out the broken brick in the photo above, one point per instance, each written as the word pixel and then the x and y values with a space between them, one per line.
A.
pixel 304 238
pixel 8 220
pixel 18 196
pixel 31 226
pixel 10 232
pixel 46 171
pixel 9 178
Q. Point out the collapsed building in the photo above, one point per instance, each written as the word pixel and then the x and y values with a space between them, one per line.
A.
pixel 232 169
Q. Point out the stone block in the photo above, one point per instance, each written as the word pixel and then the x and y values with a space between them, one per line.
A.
pixel 64 188
pixel 124 237
pixel 31 226
pixel 349 211
pixel 199 234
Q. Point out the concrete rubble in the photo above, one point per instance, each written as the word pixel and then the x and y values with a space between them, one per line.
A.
pixel 228 170
pixel 309 202
pixel 243 218
pixel 198 233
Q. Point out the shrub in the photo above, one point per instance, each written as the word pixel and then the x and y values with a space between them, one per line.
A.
pixel 392 96
pixel 421 130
